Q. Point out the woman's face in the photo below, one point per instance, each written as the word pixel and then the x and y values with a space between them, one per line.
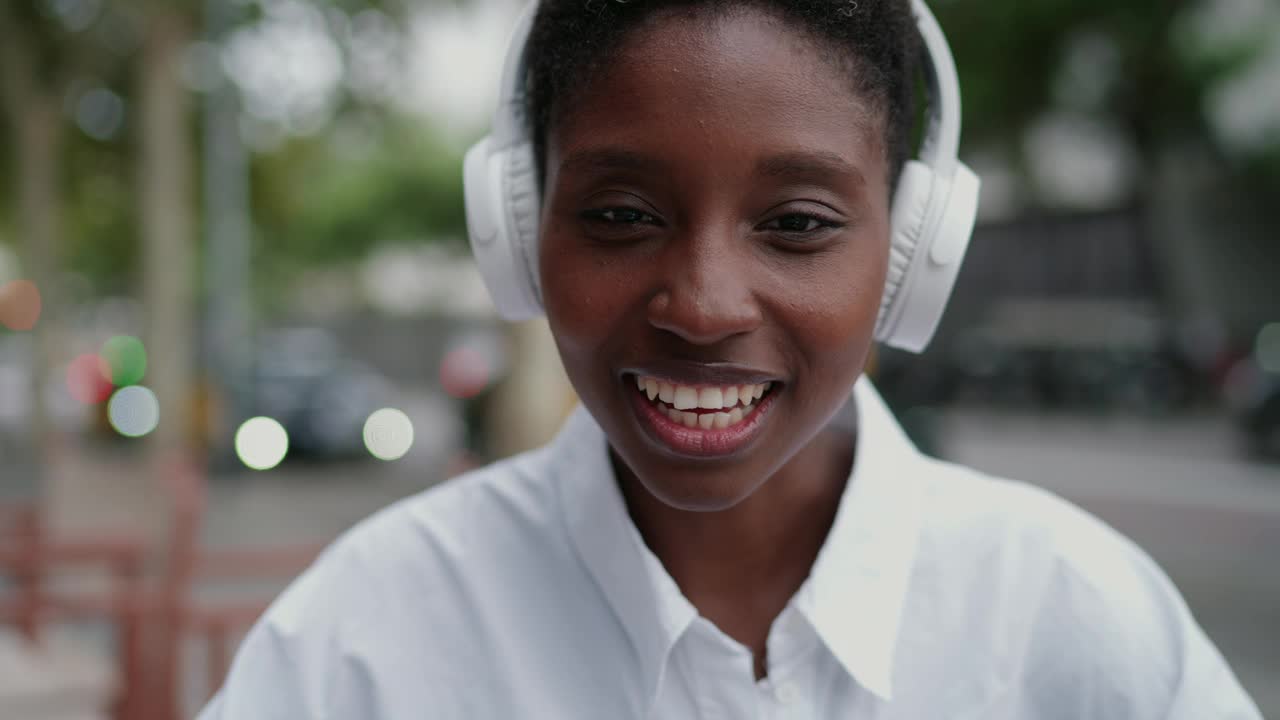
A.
pixel 714 245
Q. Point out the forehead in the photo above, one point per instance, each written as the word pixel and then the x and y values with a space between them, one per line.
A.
pixel 739 81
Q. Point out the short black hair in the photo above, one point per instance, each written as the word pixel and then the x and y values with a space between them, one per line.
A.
pixel 875 41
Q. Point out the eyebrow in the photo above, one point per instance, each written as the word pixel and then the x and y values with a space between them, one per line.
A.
pixel 808 164
pixel 796 164
pixel 608 158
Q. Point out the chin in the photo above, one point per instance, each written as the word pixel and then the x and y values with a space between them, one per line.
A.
pixel 695 491
pixel 692 485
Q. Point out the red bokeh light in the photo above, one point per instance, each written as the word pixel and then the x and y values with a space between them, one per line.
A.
pixel 19 305
pixel 87 379
pixel 465 372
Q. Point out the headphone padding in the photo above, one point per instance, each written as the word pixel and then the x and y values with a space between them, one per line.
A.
pixel 524 205
pixel 910 210
pixel 501 261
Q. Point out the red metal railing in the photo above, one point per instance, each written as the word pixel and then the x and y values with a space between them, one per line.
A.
pixel 150 603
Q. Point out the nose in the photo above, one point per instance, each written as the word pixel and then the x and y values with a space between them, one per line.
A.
pixel 706 295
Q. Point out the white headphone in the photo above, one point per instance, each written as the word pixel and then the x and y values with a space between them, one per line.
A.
pixel 933 212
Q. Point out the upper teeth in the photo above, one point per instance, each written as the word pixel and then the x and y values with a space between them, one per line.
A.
pixel 688 397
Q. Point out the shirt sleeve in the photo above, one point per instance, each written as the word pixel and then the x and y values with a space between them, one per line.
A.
pixel 1118 642
pixel 290 665
pixel 266 682
pixel 274 674
pixel 1205 686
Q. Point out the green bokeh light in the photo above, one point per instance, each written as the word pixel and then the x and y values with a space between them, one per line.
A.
pixel 127 359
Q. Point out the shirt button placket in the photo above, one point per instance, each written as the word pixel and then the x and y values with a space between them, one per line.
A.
pixel 766 706
pixel 786 693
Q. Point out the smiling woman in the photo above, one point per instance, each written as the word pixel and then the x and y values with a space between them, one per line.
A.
pixel 713 203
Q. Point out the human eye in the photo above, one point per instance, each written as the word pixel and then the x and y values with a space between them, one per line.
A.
pixel 619 216
pixel 618 224
pixel 802 227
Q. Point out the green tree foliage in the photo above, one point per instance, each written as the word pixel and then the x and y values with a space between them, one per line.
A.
pixel 1015 61
pixel 326 198
pixel 323 201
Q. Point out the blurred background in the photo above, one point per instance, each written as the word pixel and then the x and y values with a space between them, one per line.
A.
pixel 238 313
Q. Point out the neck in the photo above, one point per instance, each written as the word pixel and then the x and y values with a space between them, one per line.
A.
pixel 740 566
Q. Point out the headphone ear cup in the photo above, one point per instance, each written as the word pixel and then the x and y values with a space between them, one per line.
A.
pixel 907 221
pixel 932 241
pixel 499 246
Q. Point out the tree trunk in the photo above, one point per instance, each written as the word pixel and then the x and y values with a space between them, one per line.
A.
pixel 37 129
pixel 165 197
pixel 166 208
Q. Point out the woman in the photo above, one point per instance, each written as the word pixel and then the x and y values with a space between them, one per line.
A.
pixel 713 203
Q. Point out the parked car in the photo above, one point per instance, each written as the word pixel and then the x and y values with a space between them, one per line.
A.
pixel 322 397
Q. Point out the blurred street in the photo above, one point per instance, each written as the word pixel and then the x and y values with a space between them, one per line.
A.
pixel 1179 488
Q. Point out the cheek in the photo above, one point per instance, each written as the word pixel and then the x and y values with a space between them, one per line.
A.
pixel 834 320
pixel 585 296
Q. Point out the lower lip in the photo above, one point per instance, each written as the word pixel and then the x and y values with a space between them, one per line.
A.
pixel 696 442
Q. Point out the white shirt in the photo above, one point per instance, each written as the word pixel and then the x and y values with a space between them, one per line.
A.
pixel 524 591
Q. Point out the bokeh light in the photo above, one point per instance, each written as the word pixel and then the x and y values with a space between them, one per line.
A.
pixel 261 443
pixel 1267 348
pixel 87 379
pixel 19 305
pixel 100 113
pixel 125 360
pixel 465 372
pixel 134 411
pixel 388 434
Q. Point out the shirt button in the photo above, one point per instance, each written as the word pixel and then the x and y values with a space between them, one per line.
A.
pixel 787 693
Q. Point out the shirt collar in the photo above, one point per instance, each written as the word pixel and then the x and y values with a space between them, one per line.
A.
pixel 644 597
pixel 857 589
pixel 855 592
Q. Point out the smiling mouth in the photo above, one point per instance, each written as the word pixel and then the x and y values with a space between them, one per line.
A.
pixel 707 407
pixel 704 420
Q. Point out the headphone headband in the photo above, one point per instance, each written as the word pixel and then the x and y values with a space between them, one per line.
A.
pixel 941 145
pixel 932 216
pixel 508 118
pixel 942 131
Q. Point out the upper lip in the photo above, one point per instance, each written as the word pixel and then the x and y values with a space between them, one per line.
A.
pixel 699 373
